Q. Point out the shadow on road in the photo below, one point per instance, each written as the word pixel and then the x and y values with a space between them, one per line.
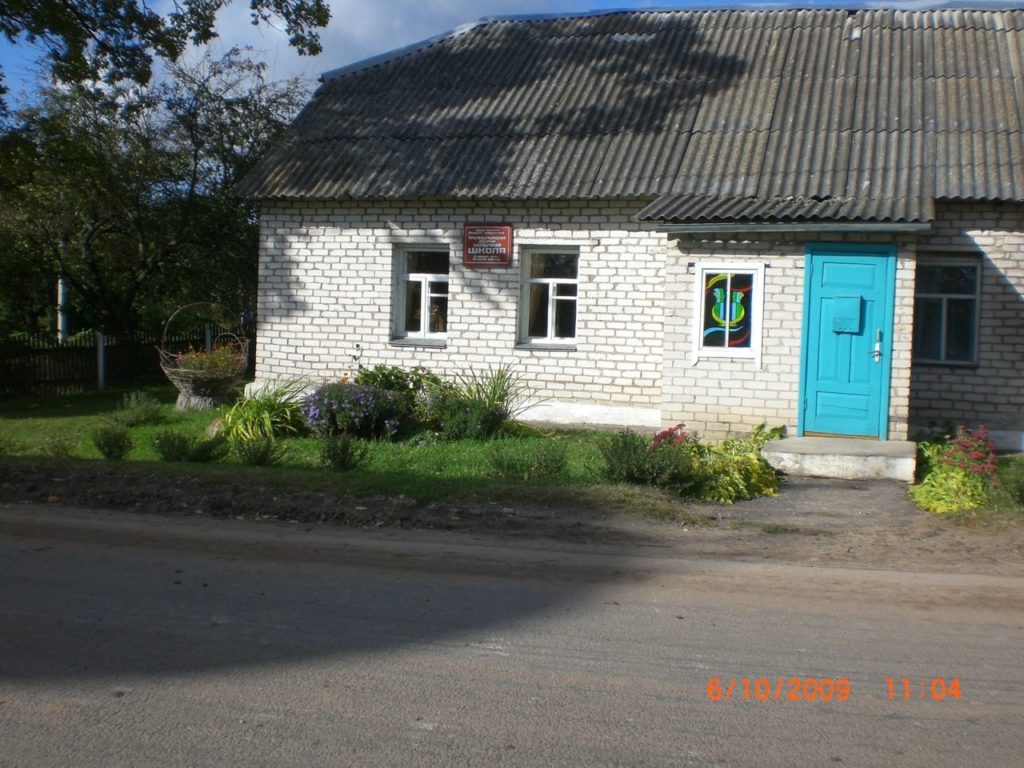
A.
pixel 103 605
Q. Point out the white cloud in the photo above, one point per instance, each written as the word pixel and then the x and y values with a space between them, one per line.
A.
pixel 360 29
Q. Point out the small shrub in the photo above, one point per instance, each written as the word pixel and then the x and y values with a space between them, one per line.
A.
pixel 675 460
pixel 409 384
pixel 138 409
pixel 533 461
pixel 958 475
pixel 57 446
pixel 259 452
pixel 112 441
pixel 343 452
pixel 354 409
pixel 630 459
pixel 9 446
pixel 175 446
pixel 1011 477
pixel 272 412
pixel 462 419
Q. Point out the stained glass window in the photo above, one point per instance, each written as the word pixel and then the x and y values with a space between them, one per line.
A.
pixel 728 310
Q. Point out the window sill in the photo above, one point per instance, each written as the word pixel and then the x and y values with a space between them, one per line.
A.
pixel 547 345
pixel 412 341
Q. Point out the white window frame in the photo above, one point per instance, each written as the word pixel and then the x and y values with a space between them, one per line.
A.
pixel 753 352
pixel 402 278
pixel 938 261
pixel 526 259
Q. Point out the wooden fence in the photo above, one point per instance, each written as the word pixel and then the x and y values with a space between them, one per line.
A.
pixel 38 365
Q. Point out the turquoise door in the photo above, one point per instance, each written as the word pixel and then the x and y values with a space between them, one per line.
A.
pixel 847 340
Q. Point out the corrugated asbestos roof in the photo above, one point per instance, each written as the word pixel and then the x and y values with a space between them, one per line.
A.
pixel 722 115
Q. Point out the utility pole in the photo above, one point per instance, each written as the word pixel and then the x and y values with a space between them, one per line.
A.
pixel 63 293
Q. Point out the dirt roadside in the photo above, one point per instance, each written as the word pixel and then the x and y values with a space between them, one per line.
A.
pixel 870 525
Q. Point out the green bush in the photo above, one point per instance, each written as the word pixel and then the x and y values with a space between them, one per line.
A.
pixel 112 441
pixel 950 489
pixel 343 452
pixel 409 384
pixel 138 409
pixel 272 412
pixel 175 446
pixel 675 460
pixel 732 472
pixel 956 475
pixel 476 405
pixel 462 419
pixel 629 458
pixel 57 446
pixel 9 446
pixel 259 452
pixel 1011 477
pixel 529 461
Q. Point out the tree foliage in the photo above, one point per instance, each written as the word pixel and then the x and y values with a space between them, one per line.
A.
pixel 118 40
pixel 126 191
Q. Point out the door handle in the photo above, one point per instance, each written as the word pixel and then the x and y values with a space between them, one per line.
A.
pixel 876 353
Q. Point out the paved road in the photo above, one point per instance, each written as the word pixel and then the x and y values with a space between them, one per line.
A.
pixel 128 641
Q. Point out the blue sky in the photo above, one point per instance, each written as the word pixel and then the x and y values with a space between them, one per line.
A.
pixel 360 29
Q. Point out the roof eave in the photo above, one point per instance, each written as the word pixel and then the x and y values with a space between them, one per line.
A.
pixel 794 226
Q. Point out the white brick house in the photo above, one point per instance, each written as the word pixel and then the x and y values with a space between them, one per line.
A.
pixel 707 227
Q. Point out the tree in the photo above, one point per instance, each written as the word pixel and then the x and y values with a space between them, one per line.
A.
pixel 118 40
pixel 125 192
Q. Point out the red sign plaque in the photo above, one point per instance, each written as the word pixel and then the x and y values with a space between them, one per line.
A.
pixel 486 246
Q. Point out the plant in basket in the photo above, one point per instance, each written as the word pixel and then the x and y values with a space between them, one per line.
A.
pixel 204 377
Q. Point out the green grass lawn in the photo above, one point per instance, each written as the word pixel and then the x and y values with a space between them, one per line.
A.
pixel 61 429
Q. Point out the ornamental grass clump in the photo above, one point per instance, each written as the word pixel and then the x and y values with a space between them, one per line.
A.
pixel 259 451
pixel 175 446
pixel 274 411
pixel 354 409
pixel 474 406
pixel 959 474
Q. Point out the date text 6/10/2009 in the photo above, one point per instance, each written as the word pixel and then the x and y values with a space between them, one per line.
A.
pixel 825 689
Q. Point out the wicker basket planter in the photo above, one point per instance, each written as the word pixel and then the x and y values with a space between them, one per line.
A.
pixel 204 378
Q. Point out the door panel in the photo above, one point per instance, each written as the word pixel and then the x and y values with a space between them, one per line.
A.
pixel 847 341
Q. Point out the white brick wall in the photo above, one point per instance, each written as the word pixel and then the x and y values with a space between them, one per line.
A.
pixel 728 397
pixel 326 274
pixel 992 393
pixel 326 286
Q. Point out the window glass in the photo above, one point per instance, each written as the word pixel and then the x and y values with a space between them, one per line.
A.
pixel 553 265
pixel 960 330
pixel 428 262
pixel 728 315
pixel 422 298
pixel 928 328
pixel 413 306
pixel 538 323
pixel 946 312
pixel 955 279
pixel 550 296
pixel 565 319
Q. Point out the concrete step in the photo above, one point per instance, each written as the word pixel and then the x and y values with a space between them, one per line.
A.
pixel 843 458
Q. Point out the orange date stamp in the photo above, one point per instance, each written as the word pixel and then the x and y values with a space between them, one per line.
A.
pixel 803 688
pixel 779 689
